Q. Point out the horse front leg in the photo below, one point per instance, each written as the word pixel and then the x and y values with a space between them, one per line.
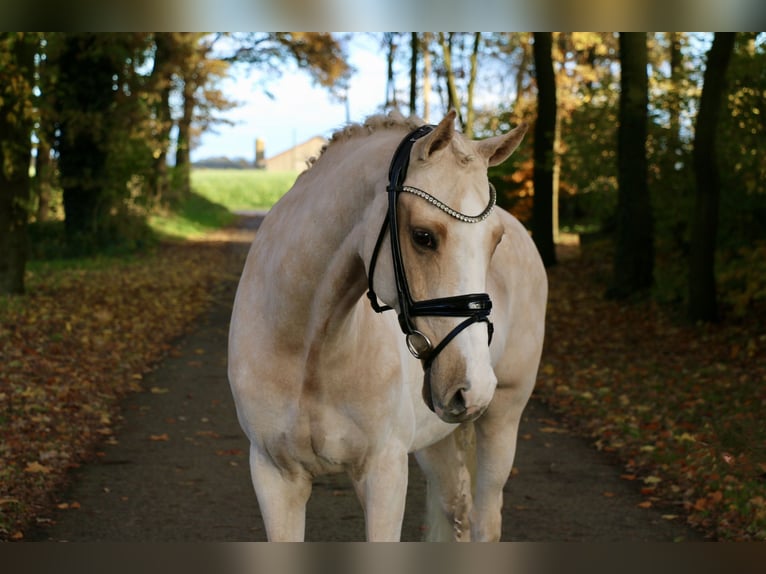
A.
pixel 382 489
pixel 447 466
pixel 496 436
pixel 282 498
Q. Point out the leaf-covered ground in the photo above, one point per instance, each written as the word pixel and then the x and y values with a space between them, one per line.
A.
pixel 681 406
pixel 70 349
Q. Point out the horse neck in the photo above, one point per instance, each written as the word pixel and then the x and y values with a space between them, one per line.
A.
pixel 317 272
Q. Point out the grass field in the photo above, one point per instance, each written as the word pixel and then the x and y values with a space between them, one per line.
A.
pixel 217 194
pixel 241 189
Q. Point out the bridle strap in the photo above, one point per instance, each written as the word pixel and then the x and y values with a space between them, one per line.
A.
pixel 397 171
pixel 454 333
pixel 475 307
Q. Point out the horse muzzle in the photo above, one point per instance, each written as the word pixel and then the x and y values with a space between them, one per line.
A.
pixel 455 407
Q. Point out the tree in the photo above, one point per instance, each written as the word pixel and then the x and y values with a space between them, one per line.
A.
pixel 703 305
pixel 90 71
pixel 453 99
pixel 674 105
pixel 470 113
pixel 634 242
pixel 193 71
pixel 545 200
pixel 17 52
pixel 426 48
pixel 414 51
pixel 160 86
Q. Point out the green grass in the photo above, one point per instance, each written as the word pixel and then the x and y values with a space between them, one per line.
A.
pixel 216 195
pixel 193 218
pixel 242 189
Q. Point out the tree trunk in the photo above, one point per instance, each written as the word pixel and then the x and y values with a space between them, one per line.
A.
pixel 427 77
pixel 17 76
pixel 43 181
pixel 390 80
pixel 183 144
pixel 703 304
pixel 84 101
pixel 676 71
pixel 415 47
pixel 470 114
pixel 45 165
pixel 634 246
pixel 453 101
pixel 162 77
pixel 545 128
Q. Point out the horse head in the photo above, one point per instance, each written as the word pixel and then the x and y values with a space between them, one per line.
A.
pixel 445 236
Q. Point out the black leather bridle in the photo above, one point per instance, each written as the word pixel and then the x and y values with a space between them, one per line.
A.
pixel 475 307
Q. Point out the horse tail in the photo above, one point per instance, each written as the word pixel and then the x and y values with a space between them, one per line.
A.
pixel 439 527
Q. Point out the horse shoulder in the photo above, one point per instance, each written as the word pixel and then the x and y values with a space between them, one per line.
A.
pixel 518 285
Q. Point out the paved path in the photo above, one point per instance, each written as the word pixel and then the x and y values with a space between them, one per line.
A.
pixel 178 472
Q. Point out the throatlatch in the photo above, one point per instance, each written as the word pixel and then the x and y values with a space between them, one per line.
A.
pixel 476 307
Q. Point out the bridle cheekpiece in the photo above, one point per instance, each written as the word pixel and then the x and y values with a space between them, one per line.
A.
pixel 474 307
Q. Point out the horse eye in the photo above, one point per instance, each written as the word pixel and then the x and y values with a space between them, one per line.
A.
pixel 424 239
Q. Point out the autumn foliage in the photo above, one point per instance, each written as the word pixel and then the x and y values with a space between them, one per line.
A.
pixel 680 406
pixel 80 341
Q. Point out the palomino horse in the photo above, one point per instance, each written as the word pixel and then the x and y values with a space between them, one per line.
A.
pixel 324 383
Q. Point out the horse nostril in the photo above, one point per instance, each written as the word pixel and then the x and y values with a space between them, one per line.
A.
pixel 457 404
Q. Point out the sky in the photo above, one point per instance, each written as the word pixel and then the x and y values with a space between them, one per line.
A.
pixel 299 110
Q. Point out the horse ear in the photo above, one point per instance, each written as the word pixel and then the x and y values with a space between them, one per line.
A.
pixel 499 148
pixel 439 138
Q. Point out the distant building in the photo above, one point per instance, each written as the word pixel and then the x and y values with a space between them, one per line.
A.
pixel 293 159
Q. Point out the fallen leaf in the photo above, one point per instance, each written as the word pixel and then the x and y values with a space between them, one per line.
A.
pixel 159 437
pixel 36 467
pixel 159 390
pixel 645 504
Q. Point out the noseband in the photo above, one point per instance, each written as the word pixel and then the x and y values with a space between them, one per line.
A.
pixel 475 307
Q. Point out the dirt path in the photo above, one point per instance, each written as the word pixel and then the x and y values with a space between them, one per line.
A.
pixel 177 471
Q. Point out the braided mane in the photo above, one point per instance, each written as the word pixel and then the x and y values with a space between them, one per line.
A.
pixel 371 125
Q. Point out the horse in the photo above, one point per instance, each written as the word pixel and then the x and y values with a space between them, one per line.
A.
pixel 325 381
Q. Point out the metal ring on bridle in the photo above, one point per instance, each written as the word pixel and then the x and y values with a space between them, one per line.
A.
pixel 419 344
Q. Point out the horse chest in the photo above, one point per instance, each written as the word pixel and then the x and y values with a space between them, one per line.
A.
pixel 342 416
pixel 322 439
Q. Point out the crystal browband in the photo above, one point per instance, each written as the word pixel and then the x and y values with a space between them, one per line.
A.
pixel 448 210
